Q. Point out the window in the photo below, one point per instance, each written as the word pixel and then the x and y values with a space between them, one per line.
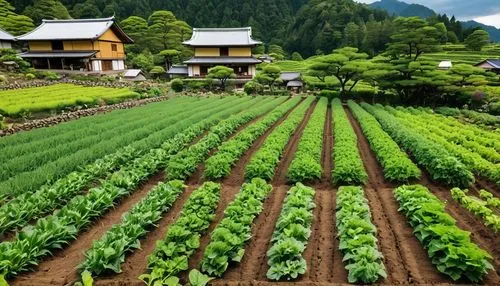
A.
pixel 224 52
pixel 203 70
pixel 57 45
pixel 114 47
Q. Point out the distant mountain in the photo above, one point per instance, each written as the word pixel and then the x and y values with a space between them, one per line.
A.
pixel 403 9
pixel 400 8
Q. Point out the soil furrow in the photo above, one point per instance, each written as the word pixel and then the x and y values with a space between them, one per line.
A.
pixel 288 154
pixel 60 269
pixel 253 266
pixel 326 180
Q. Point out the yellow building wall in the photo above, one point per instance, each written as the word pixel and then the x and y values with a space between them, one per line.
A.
pixel 206 52
pixel 105 51
pixel 109 35
pixel 40 46
pixel 240 52
pixel 77 45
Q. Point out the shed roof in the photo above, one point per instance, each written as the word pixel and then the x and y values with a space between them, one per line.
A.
pixel 178 69
pixel 132 73
pixel 222 60
pixel 61 54
pixel 288 76
pixel 494 63
pixel 222 37
pixel 294 83
pixel 4 35
pixel 75 29
pixel 445 64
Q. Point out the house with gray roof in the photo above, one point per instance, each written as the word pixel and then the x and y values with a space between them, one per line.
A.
pixel 292 80
pixel 77 45
pixel 6 40
pixel 231 47
pixel 490 64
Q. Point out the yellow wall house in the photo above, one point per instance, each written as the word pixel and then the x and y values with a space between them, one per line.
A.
pixel 231 47
pixel 85 45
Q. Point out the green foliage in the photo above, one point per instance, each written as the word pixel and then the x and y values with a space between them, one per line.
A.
pixel 358 237
pixel 196 278
pixel 183 237
pixel 219 165
pixel 30 76
pixel 177 85
pixel 349 168
pixel 291 234
pixel 222 74
pixel 12 22
pixel 432 156
pixel 265 161
pixel 449 248
pixel 46 9
pixel 270 76
pixel 491 201
pixel 183 164
pixel 477 40
pixel 108 252
pixel 228 239
pixel 396 164
pixel 253 87
pixel 157 71
pixel 330 94
pixel 306 163
pixel 296 57
pixel 478 207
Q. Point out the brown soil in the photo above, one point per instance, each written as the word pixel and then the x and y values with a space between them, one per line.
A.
pixel 326 157
pixel 60 269
pixel 287 156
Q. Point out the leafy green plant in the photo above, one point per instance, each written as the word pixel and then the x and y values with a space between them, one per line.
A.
pixel 306 163
pixel 265 161
pixel 349 168
pixel 219 165
pixel 477 207
pixel 291 234
pixel 228 238
pixel 357 235
pixel 491 201
pixel 442 166
pixel 196 278
pixel 448 247
pixel 396 164
pixel 183 164
pixel 108 252
pixel 171 254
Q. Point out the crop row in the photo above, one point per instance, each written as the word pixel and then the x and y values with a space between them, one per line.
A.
pixel 358 237
pixel 220 164
pixel 171 254
pixel 306 163
pixel 395 163
pixel 52 232
pixel 478 207
pixel 473 161
pixel 349 168
pixel 470 115
pixel 228 239
pixel 264 162
pixel 442 166
pixel 27 207
pixel 449 248
pixel 491 201
pixel 453 134
pixel 108 252
pixel 144 138
pixel 183 164
pixel 291 234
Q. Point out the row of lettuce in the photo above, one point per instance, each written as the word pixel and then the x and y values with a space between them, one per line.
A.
pixel 228 240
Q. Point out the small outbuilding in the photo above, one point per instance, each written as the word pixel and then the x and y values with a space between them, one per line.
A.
pixel 134 75
pixel 490 65
pixel 445 65
pixel 178 71
pixel 292 81
pixel 6 40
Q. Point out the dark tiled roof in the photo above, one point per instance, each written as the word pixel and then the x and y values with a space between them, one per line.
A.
pixel 4 35
pixel 288 76
pixel 222 37
pixel 175 69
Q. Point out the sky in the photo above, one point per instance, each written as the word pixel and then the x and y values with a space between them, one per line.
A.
pixel 483 11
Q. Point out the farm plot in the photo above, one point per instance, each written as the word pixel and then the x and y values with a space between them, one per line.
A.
pixel 303 190
pixel 58 96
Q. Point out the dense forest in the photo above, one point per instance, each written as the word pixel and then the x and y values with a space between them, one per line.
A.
pixel 307 27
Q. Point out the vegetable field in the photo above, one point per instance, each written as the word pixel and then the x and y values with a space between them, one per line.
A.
pixel 252 190
pixel 57 96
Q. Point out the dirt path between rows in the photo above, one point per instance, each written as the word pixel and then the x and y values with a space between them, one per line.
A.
pixel 60 268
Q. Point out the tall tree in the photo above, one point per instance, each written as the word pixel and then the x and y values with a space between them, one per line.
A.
pixel 477 40
pixel 12 22
pixel 222 74
pixel 46 9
